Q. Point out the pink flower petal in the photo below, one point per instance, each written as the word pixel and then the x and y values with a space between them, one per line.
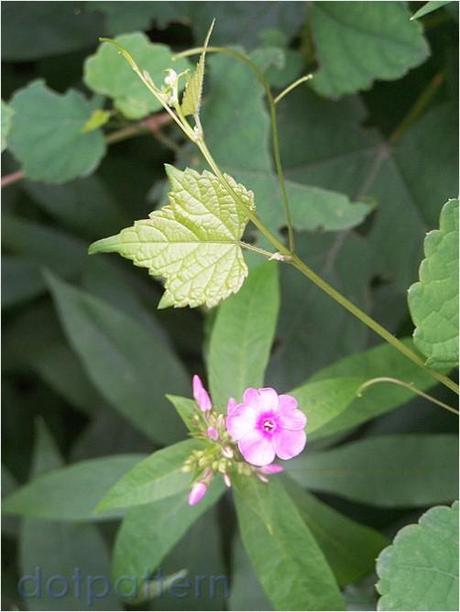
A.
pixel 287 402
pixel 289 444
pixel 269 399
pixel 272 469
pixel 197 493
pixel 201 395
pixel 232 405
pixel 251 397
pixel 241 421
pixel 256 449
pixel 292 419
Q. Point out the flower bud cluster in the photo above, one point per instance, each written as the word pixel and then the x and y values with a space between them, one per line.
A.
pixel 220 455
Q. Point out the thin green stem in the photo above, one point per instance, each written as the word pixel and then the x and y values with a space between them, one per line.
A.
pixel 251 247
pixel 290 257
pixel 401 383
pixel 370 322
pixel 292 86
pixel 274 127
pixel 250 213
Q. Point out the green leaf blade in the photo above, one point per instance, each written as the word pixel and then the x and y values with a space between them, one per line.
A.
pixel 120 355
pixel 433 301
pixel 422 554
pixel 157 477
pixel 150 531
pixel 405 470
pixel 242 336
pixel 106 73
pixel 289 563
pixel 47 135
pixel 350 548
pixel 358 43
pixel 71 493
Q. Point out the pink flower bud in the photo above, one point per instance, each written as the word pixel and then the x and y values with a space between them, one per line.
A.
pixel 201 395
pixel 271 469
pixel 197 493
pixel 212 433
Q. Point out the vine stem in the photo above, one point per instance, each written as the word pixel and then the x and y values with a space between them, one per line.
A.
pixel 290 256
pixel 401 383
pixel 292 86
pixel 274 127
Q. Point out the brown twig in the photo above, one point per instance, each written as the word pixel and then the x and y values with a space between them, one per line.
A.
pixel 152 125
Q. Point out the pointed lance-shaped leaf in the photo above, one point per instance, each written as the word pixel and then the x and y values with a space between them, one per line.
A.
pixel 191 100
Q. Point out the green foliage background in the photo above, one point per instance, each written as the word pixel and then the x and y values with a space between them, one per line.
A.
pixel 369 148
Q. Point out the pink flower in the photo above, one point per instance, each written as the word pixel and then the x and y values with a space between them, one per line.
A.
pixel 266 425
pixel 201 395
pixel 212 433
pixel 197 493
pixel 272 469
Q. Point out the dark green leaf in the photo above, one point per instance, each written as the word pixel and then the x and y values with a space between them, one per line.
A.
pixel 120 356
pixel 47 135
pixel 247 592
pixel 242 336
pixel 61 547
pixel 390 471
pixel 157 477
pixel 149 532
pixel 323 400
pixel 350 548
pixel 84 206
pixel 382 360
pixel 70 493
pixel 358 43
pixel 57 28
pixel 289 563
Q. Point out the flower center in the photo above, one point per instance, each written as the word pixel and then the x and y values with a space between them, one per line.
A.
pixel 268 425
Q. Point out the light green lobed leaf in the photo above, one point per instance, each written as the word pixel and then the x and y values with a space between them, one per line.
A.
pixel 108 74
pixel 419 571
pixel 48 136
pixel 359 42
pixel 433 301
pixel 7 115
pixel 193 242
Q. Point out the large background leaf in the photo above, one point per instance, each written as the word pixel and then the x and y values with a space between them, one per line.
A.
pixel 405 470
pixel 421 555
